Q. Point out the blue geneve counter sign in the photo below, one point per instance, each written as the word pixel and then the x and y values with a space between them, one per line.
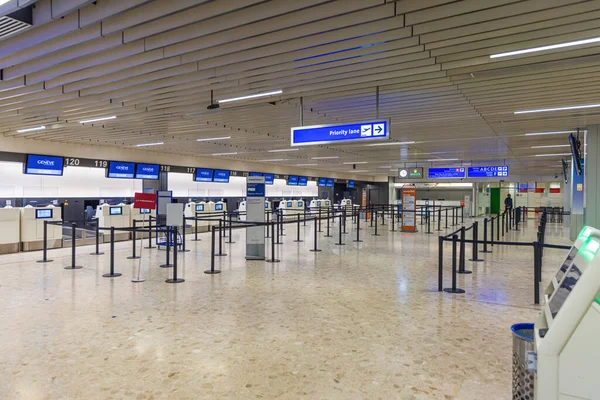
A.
pixel 356 132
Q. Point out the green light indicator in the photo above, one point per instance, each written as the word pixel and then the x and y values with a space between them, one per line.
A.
pixel 585 233
pixel 598 298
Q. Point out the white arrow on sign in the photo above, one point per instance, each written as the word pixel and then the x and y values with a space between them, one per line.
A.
pixel 378 129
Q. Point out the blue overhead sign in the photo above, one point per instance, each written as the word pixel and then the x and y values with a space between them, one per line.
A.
pixel 43 165
pixel 147 171
pixel 324 134
pixel 122 170
pixel 330 182
pixel 488 172
pixel 204 175
pixel 452 173
pixel 221 176
pixel 303 181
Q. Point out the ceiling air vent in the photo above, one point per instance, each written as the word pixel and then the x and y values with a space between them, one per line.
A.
pixel 15 22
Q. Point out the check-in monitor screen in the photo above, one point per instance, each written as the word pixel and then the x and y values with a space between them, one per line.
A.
pixel 350 184
pixel 116 211
pixel 300 204
pixel 330 182
pixel 120 170
pixel 318 204
pixel 289 204
pixel 43 213
pixel 565 266
pixel 147 171
pixel 327 203
pixel 564 290
pixel 199 207
pixel 221 176
pixel 266 205
pixel 292 180
pixel 322 182
pixel 144 211
pixel 219 207
pixel 204 175
pixel 303 181
pixel 43 165
pixel 269 179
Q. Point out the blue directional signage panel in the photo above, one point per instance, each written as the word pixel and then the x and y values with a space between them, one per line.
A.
pixel 221 176
pixel 350 184
pixel 330 182
pixel 323 134
pixel 122 170
pixel 322 182
pixel 43 165
pixel 452 173
pixel 255 189
pixel 488 172
pixel 269 179
pixel 303 181
pixel 147 171
pixel 204 175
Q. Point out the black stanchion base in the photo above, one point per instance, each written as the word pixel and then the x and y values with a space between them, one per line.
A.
pixel 112 275
pixel 166 265
pixel 465 272
pixel 272 261
pixel 357 241
pixel 45 261
pixel 327 235
pixel 376 234
pixel 153 247
pixel 476 260
pixel 429 233
pixel 450 290
pixel 212 272
pixel 278 243
pixel 175 280
pixel 340 244
pixel 75 267
pixel 133 258
pixel 345 233
pixel 298 241
pixel 225 242
pixel 221 255
pixel 96 254
pixel 315 250
pixel 188 250
pixel 138 280
pixel 488 251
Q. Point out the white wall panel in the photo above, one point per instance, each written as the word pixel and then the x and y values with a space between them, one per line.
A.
pixel 76 182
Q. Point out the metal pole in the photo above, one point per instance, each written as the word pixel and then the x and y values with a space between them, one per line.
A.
pixel 298 233
pixel 268 219
pixel 375 218
pixel 475 234
pixel 492 234
pixel 339 243
pixel 183 249
pixel 97 253
pixel 168 264
pixel 230 241
pixel 454 289
pixel 462 214
pixel 273 259
pixel 393 221
pixel 461 256
pixel 175 279
pixel 212 269
pixel 446 211
pixel 150 232
pixel 358 230
pixel 439 221
pixel 536 273
pixel 45 244
pixel 196 227
pixel 112 273
pixel 320 220
pixel 278 216
pixel 73 244
pixel 133 249
pixel 315 239
pixel 503 222
pixel 485 234
pixel 221 254
pixel 429 223
pixel 328 235
pixel 453 216
pixel 440 263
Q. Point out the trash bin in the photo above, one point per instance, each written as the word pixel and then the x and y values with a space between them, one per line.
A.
pixel 523 362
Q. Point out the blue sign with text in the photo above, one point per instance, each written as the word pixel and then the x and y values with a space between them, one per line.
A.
pixel 303 181
pixel 204 175
pixel 292 180
pixel 43 165
pixel 255 189
pixel 330 182
pixel 147 171
pixel 269 179
pixel 323 134
pixel 122 170
pixel 221 176
pixel 452 173
pixel 488 172
pixel 322 182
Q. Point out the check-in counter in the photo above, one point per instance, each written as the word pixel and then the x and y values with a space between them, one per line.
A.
pixel 118 216
pixel 10 230
pixel 139 215
pixel 32 227
pixel 192 209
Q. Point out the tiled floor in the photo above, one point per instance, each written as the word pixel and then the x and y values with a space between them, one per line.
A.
pixel 352 322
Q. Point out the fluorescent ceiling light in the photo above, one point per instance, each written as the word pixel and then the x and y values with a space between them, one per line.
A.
pixel 548 133
pixel 87 121
pixel 557 109
pixel 442 159
pixel 37 128
pixel 149 144
pixel 386 166
pixel 282 150
pixel 3 2
pixel 225 154
pixel 324 158
pixel 252 96
pixel 551 146
pixel 361 170
pixel 355 162
pixel 390 144
pixel 549 47
pixel 274 159
pixel 553 155
pixel 213 138
pixel 306 165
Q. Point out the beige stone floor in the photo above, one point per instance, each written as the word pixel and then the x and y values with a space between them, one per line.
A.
pixel 352 322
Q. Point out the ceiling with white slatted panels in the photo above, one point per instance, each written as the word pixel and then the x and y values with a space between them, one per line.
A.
pixel 153 65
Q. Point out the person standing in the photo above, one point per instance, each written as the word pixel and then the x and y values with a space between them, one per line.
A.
pixel 508 203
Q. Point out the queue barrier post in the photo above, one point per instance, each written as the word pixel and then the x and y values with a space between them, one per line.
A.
pixel 446 212
pixel 112 273
pixel 440 263
pixel 320 220
pixel 475 233
pixel 277 229
pixel 298 232
pixel 392 217
pixel 221 254
pixel 492 234
pixel 73 244
pixel 167 263
pixel 375 218
pixel 315 249
pixel 453 216
pixel 536 272
pixel 503 222
pixel 339 243
pixel 183 249
pixel 133 255
pixel 230 241
pixel 45 245
pixel 273 259
pixel 150 232
pixel 383 216
pixel 485 236
pixel 357 240
pixel 175 279
pixel 196 228
pixel 429 223
pixel 267 226
pixel 344 219
pixel 461 255
pixel 462 214
pixel 97 252
pixel 328 233
pixel 212 270
pixel 454 289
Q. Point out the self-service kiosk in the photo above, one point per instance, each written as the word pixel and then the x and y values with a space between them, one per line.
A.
pixel 118 216
pixel 10 230
pixel 201 209
pixel 289 208
pixel 242 210
pixel 139 215
pixel 317 204
pixel 566 332
pixel 32 227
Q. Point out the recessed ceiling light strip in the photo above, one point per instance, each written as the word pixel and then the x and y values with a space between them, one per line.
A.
pixel 252 96
pixel 37 128
pixel 545 48
pixel 89 121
